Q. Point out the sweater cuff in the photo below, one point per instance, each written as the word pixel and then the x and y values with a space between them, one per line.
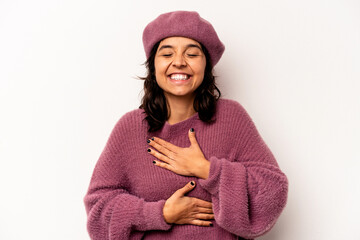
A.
pixel 153 216
pixel 211 184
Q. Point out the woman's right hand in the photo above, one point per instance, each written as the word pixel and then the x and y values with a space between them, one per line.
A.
pixel 180 209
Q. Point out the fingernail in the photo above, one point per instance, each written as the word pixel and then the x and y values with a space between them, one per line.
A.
pixel 148 141
pixel 211 225
pixel 192 183
pixel 152 138
pixel 149 150
pixel 154 162
pixel 191 130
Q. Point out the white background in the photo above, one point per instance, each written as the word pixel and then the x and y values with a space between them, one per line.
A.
pixel 68 73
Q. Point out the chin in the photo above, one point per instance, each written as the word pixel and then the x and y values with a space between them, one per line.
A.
pixel 180 94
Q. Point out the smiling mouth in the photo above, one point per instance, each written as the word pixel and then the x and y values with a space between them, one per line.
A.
pixel 178 76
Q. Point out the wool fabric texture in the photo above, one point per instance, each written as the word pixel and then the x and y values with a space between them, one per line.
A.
pixel 183 24
pixel 127 191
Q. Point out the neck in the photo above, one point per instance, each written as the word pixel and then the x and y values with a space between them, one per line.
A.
pixel 180 108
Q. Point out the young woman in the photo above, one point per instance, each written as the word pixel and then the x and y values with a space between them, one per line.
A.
pixel 187 164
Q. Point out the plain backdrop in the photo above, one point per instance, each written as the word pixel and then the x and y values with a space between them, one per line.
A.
pixel 68 72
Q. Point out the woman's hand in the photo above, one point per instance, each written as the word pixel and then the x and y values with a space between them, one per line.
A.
pixel 180 209
pixel 183 161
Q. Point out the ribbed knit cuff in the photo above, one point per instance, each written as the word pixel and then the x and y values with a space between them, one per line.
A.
pixel 211 184
pixel 153 216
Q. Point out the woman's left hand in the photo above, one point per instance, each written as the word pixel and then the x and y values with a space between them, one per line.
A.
pixel 188 161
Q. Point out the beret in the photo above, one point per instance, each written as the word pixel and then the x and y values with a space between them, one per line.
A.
pixel 183 24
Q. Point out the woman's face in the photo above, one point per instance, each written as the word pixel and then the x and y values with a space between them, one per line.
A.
pixel 179 66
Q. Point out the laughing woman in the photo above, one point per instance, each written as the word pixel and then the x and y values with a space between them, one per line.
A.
pixel 187 164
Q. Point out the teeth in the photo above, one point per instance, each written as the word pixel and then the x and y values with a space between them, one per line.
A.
pixel 179 77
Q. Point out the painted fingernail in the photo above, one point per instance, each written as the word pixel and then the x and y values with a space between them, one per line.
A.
pixel 191 130
pixel 152 138
pixel 149 150
pixel 192 183
pixel 211 225
pixel 154 162
pixel 148 141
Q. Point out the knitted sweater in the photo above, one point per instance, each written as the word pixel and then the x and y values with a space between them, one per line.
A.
pixel 127 191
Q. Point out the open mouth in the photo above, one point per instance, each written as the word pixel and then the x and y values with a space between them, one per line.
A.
pixel 179 76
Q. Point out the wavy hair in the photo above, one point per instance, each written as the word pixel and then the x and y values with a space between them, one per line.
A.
pixel 154 102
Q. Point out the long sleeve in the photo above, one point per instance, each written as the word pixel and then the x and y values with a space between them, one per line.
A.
pixel 249 192
pixel 114 213
pixel 127 191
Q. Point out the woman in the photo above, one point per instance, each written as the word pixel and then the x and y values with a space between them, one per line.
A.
pixel 186 164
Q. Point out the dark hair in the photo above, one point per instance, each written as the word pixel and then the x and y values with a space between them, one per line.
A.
pixel 154 101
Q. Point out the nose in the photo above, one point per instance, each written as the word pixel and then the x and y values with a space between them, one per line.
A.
pixel 179 61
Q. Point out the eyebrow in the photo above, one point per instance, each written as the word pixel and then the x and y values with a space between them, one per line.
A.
pixel 187 46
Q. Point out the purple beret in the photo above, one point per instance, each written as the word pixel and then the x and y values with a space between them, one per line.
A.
pixel 183 24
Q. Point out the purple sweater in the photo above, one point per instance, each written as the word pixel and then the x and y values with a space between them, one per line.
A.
pixel 127 191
